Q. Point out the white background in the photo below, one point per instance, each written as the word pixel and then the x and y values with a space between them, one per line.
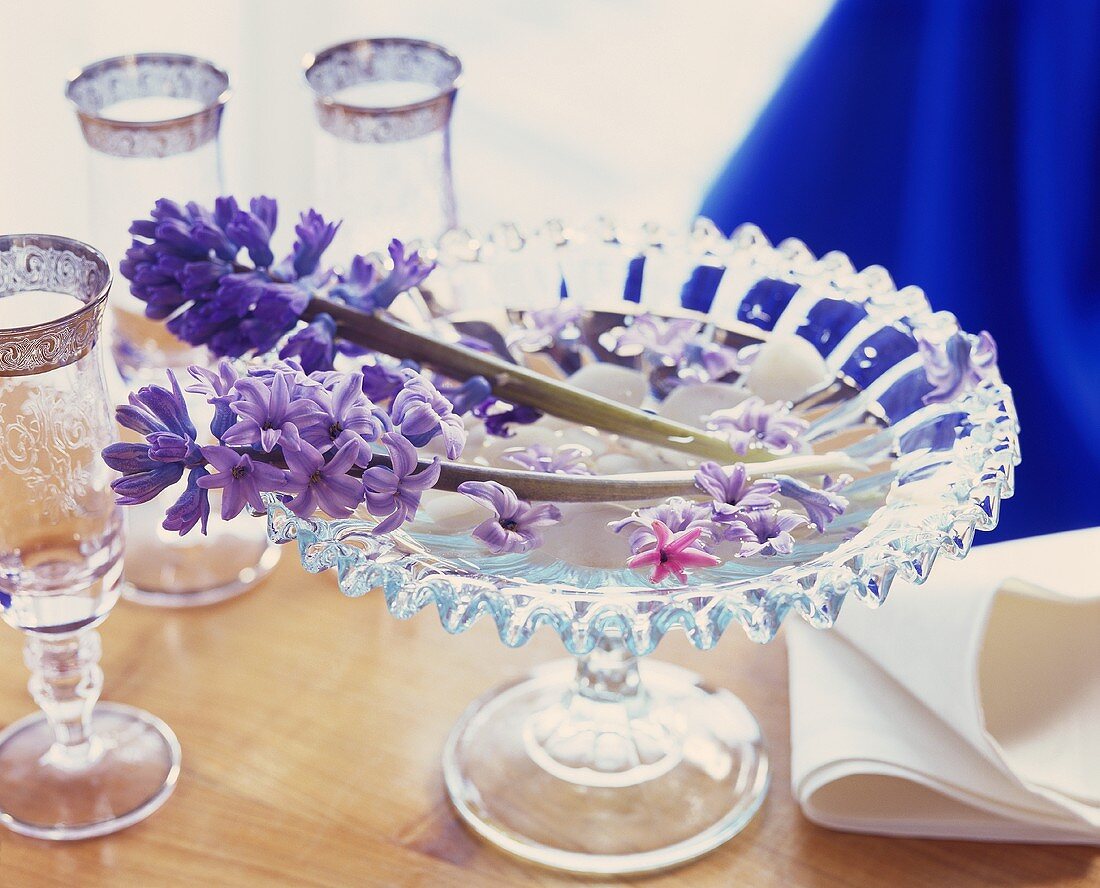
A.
pixel 569 109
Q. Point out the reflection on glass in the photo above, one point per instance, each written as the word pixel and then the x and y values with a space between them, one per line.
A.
pixel 383 142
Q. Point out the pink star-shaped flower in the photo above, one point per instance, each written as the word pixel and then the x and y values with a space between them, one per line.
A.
pixel 672 554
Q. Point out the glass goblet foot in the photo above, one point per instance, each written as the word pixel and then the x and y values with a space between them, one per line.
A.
pixel 123 773
pixel 604 774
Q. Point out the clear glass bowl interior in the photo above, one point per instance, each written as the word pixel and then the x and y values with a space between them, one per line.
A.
pixel 928 476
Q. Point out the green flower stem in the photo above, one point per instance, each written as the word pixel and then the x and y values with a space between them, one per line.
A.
pixel 640 487
pixel 519 385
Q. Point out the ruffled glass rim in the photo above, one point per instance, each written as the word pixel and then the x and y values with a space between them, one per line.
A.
pixel 902 537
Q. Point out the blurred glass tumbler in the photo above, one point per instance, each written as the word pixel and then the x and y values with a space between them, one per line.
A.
pixel 79 768
pixel 383 143
pixel 152 122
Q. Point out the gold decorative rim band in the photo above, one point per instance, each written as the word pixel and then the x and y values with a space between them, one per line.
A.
pixel 382 59
pixel 46 262
pixel 94 89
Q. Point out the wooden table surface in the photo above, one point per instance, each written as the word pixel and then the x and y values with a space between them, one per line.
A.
pixel 312 726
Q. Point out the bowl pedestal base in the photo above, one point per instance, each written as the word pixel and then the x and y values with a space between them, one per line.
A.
pixel 606 766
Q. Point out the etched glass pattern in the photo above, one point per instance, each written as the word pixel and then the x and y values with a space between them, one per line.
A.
pixel 29 262
pixel 78 768
pixel 95 89
pixel 382 60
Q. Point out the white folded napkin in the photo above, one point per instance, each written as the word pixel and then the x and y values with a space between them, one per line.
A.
pixel 968 707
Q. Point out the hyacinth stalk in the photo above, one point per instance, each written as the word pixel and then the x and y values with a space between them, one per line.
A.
pixel 562 488
pixel 516 384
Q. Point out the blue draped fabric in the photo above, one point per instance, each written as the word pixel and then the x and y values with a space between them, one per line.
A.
pixel 957 143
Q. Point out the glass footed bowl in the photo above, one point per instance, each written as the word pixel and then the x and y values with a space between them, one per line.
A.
pixel 603 765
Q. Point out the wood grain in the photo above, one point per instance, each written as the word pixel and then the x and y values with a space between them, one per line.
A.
pixel 312 726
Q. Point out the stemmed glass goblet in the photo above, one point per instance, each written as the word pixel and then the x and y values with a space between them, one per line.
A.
pixel 79 768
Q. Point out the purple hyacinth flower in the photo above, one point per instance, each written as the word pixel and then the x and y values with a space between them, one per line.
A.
pixel 177 260
pixel 214 323
pixel 152 280
pixel 822 506
pixel 409 270
pixel 677 514
pixel 314 345
pixel 168 447
pixel 516 525
pixel 240 479
pixel 275 313
pixel 565 460
pixel 314 237
pixel 662 339
pixel 317 483
pixel 548 326
pixel 395 493
pixel 267 416
pixel 170 444
pixel 175 236
pixel 253 229
pixel 193 506
pixel 960 363
pixel 734 492
pixel 142 477
pixel 201 279
pixel 208 228
pixel 362 288
pixel 153 408
pixel 301 383
pixel 770 531
pixel 734 530
pixel 162 209
pixel 218 387
pixel 355 286
pixel 303 387
pixel 420 413
pixel 706 361
pixel 752 423
pixel 466 396
pixel 499 415
pixel 381 381
pixel 344 415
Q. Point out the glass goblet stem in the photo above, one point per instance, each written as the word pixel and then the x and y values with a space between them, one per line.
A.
pixel 65 682
pixel 609 674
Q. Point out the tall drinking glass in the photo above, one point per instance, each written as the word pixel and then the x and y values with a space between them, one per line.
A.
pixel 79 768
pixel 383 143
pixel 152 122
